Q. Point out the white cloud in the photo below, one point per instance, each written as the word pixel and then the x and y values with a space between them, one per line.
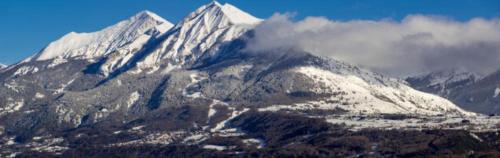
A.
pixel 416 44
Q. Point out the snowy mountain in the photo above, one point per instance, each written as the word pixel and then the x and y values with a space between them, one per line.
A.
pixel 2 66
pixel 97 44
pixel 185 84
pixel 208 34
pixel 199 36
pixel 481 96
pixel 443 82
pixel 117 44
pixel 467 90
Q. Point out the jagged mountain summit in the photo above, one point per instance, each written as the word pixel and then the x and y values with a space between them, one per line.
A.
pixel 199 36
pixel 183 84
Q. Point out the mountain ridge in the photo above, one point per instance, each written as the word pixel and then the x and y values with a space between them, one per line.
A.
pixel 444 81
pixel 103 42
pixel 197 35
pixel 468 90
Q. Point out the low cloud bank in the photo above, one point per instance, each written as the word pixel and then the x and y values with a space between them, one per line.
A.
pixel 414 45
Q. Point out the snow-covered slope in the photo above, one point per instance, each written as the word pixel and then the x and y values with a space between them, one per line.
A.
pixel 97 44
pixel 357 95
pixel 2 66
pixel 199 35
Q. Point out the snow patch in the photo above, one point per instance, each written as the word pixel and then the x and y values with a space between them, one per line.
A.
pixel 39 95
pixel 137 128
pixel 217 147
pixel 12 106
pixel 160 138
pixel 195 79
pixel 357 122
pixel 25 70
pixel 211 111
pixel 14 86
pixel 2 66
pixel 68 115
pixel 496 93
pixel 118 82
pixel 231 132
pixel 57 61
pixel 11 141
pixel 252 141
pixel 50 145
pixel 222 125
pixel 134 97
pixel 473 135
pixel 63 86
pixel 195 139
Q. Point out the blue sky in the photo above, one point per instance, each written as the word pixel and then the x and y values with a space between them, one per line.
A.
pixel 29 25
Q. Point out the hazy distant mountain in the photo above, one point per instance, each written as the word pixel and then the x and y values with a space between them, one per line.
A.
pixel 481 96
pixel 465 89
pixel 443 82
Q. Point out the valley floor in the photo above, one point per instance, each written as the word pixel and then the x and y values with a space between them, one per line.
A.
pixel 251 133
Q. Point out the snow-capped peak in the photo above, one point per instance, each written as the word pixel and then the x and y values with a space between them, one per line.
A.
pixel 97 44
pixel 237 16
pixel 199 35
pixel 149 14
pixel 234 14
pixel 2 66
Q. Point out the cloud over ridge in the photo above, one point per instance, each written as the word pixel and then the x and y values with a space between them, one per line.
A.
pixel 416 44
